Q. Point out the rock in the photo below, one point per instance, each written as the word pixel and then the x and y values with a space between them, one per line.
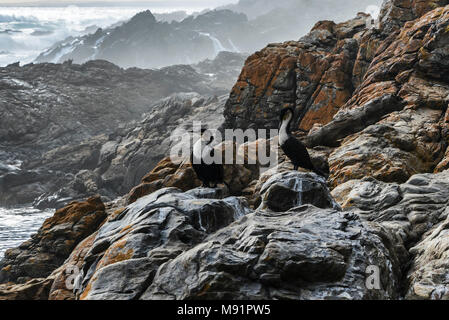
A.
pixel 149 232
pixel 392 150
pixel 35 289
pixel 224 69
pixel 54 242
pixel 394 125
pixel 144 42
pixel 112 164
pixel 289 189
pixel 428 275
pixel 312 75
pixel 76 117
pixel 305 253
pixel 409 209
pixel 178 172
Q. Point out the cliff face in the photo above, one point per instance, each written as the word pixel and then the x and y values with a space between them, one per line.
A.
pixel 373 104
pixel 378 96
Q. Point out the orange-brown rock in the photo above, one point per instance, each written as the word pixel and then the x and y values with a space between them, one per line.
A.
pixel 55 240
pixel 66 274
pixel 313 75
pixel 180 174
pixel 394 125
pixel 35 289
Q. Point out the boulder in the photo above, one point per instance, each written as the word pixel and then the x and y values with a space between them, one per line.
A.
pixel 53 243
pixel 305 253
pixel 128 249
pixel 284 190
pixel 312 75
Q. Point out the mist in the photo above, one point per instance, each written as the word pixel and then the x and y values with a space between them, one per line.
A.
pixel 183 32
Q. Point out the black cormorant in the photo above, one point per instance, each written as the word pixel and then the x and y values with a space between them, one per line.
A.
pixel 207 173
pixel 292 147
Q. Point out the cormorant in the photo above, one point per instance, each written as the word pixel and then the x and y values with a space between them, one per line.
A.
pixel 291 146
pixel 207 173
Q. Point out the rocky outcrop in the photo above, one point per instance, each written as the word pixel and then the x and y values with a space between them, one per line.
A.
pixel 148 233
pixel 405 75
pixel 378 96
pixel 36 289
pixel 231 251
pixel 224 69
pixel 416 212
pixel 313 75
pixel 381 130
pixel 428 275
pixel 305 253
pixel 62 103
pixel 146 41
pixel 54 242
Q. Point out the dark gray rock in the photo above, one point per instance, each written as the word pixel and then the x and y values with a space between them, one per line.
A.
pixel 305 253
pixel 286 190
pixel 80 117
pixel 149 232
pixel 409 209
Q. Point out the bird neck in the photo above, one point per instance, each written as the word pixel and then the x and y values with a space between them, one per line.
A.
pixel 198 150
pixel 284 131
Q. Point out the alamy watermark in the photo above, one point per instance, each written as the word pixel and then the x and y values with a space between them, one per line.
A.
pixel 234 147
pixel 372 281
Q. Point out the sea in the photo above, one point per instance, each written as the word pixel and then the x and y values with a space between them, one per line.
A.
pixel 18 224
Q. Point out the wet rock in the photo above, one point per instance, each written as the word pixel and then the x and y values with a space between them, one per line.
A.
pixel 78 117
pixel 53 243
pixel 147 233
pixel 428 275
pixel 410 209
pixel 394 124
pixel 144 42
pixel 35 289
pixel 286 190
pixel 305 253
pixel 395 13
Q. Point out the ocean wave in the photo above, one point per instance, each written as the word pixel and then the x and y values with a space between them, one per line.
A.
pixel 18 224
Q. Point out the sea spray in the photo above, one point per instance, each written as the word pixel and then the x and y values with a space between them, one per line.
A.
pixel 18 224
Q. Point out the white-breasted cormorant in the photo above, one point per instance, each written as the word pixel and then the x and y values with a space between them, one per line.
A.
pixel 292 147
